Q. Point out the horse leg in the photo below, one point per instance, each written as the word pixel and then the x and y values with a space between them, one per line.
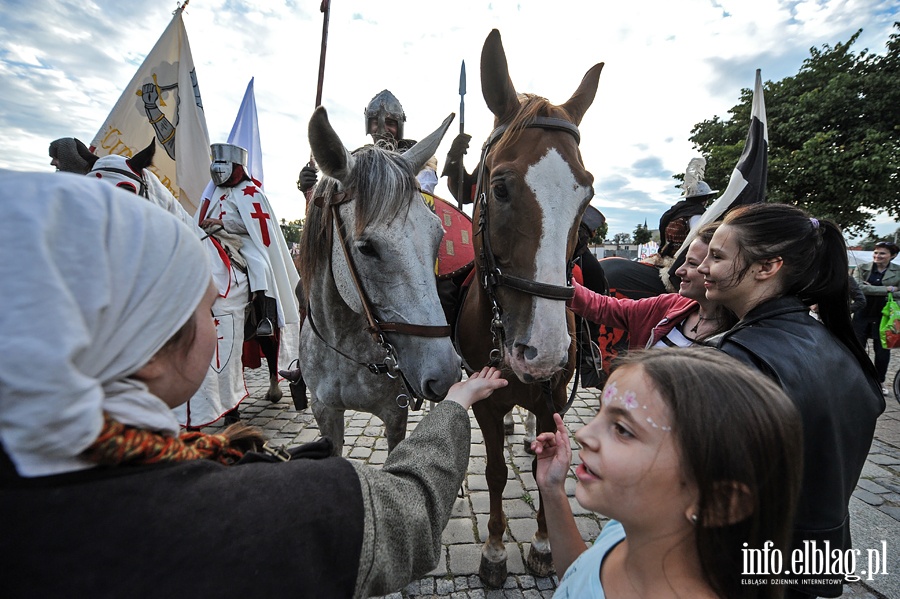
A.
pixel 493 570
pixel 269 346
pixel 540 559
pixel 509 424
pixel 395 419
pixel 331 424
pixel 530 432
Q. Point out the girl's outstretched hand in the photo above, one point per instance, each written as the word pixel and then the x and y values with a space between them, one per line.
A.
pixel 478 386
pixel 554 456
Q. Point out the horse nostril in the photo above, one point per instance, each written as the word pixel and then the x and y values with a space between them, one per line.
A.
pixel 527 378
pixel 530 352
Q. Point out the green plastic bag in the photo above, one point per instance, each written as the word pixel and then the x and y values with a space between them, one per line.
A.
pixel 890 323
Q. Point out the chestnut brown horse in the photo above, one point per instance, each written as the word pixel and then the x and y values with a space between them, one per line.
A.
pixel 532 189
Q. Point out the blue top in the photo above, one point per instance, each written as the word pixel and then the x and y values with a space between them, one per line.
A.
pixel 582 579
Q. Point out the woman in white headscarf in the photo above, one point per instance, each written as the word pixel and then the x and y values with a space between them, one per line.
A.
pixel 105 326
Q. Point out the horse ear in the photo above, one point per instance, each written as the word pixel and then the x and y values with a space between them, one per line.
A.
pixel 144 158
pixel 583 97
pixel 327 148
pixel 419 154
pixel 496 86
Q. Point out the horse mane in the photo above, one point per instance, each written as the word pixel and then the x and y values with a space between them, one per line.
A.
pixel 382 186
pixel 530 106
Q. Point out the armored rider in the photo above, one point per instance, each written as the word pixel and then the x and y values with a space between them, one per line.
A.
pixel 241 208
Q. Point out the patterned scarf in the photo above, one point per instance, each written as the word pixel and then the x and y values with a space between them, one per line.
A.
pixel 120 445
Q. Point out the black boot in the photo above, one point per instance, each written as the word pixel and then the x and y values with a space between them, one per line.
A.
pixel 232 416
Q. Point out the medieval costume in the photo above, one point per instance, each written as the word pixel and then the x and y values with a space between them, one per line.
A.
pixel 677 221
pixel 224 388
pixel 169 514
pixel 70 155
pixel 241 208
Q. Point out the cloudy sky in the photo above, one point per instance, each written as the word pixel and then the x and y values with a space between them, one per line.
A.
pixel 669 65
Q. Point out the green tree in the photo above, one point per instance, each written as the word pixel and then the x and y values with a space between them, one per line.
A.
pixel 600 234
pixel 292 230
pixel 621 239
pixel 642 234
pixel 834 135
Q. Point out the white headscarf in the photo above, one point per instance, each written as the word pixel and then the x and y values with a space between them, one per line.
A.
pixel 95 281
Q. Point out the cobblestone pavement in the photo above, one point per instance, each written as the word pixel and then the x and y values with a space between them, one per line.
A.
pixel 875 508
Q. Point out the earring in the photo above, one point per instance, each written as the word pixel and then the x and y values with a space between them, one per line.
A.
pixel 694 519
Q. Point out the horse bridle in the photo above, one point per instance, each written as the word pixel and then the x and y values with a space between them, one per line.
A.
pixel 391 364
pixel 492 277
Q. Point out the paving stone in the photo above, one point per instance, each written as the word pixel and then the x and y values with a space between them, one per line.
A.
pixel 870 486
pixel 522 529
pixel 884 460
pixel 458 530
pixel 443 586
pixel 892 511
pixel 870 498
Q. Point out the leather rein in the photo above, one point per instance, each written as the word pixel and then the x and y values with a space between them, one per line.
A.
pixel 391 364
pixel 491 275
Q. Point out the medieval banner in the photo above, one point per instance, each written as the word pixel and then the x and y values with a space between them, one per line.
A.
pixel 748 180
pixel 162 102
pixel 245 133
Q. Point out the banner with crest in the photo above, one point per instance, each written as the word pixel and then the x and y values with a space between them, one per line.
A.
pixel 162 102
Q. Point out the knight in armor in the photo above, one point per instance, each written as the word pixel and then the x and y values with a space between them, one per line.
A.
pixel 240 207
pixel 70 155
pixel 384 118
pixel 678 220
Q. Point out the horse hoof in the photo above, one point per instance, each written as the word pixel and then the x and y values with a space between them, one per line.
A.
pixel 492 574
pixel 539 563
pixel 275 395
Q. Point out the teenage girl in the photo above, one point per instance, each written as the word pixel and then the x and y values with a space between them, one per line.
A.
pixel 694 457
pixel 768 263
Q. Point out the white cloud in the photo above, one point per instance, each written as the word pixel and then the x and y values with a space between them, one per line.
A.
pixel 669 65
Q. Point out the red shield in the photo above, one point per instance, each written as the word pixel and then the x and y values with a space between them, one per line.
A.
pixel 456 253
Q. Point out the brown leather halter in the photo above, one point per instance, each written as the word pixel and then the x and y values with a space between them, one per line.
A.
pixel 491 276
pixel 391 364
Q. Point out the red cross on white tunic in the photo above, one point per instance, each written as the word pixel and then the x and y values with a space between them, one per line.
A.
pixel 262 217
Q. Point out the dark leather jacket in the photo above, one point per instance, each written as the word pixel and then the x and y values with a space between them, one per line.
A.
pixel 838 403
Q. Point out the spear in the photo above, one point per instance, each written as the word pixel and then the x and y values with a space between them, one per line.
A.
pixel 325 8
pixel 462 129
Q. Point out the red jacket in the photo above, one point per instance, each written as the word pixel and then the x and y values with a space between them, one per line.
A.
pixel 646 320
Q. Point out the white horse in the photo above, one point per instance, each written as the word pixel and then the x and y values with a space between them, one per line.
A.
pixel 375 337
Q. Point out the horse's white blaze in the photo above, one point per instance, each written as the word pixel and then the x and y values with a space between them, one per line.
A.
pixel 560 198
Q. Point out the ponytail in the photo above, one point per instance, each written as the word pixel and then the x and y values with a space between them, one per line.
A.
pixel 815 262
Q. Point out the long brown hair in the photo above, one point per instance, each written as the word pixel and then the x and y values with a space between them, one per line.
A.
pixel 732 426
pixel 814 257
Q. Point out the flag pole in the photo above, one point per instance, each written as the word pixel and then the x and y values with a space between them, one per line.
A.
pixel 325 8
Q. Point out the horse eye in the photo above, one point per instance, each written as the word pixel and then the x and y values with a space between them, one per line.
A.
pixel 367 248
pixel 500 191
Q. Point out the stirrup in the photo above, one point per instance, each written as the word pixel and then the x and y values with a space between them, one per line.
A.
pixel 265 328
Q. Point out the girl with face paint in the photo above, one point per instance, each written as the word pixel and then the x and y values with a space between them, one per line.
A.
pixel 694 457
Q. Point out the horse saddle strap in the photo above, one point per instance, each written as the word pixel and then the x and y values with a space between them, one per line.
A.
pixel 419 330
pixel 554 292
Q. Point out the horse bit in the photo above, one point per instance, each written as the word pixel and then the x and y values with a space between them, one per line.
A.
pixel 492 277
pixel 391 364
